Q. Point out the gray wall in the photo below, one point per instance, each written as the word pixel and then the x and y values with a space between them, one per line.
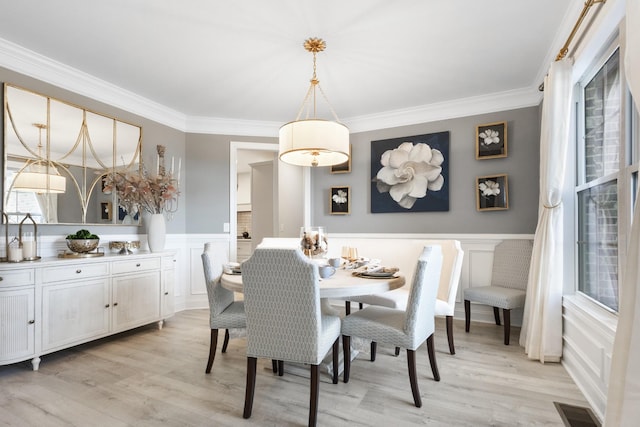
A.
pixel 204 199
pixel 207 180
pixel 521 166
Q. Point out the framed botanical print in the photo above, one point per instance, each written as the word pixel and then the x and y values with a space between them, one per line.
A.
pixel 340 201
pixel 343 167
pixel 491 141
pixel 492 193
pixel 105 211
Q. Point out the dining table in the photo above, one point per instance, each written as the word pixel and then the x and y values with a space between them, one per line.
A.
pixel 341 285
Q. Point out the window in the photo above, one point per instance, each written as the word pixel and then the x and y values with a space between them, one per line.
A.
pixel 607 167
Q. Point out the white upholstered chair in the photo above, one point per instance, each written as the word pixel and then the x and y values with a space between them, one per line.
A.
pixel 452 257
pixel 284 320
pixel 224 312
pixel 508 288
pixel 402 328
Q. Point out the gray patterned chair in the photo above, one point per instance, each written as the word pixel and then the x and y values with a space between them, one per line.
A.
pixel 224 312
pixel 509 277
pixel 452 257
pixel 284 320
pixel 402 328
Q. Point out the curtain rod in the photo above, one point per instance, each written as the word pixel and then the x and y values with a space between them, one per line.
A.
pixel 565 48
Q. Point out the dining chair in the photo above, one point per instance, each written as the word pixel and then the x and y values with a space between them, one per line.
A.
pixel 402 328
pixel 510 273
pixel 284 317
pixel 452 258
pixel 224 312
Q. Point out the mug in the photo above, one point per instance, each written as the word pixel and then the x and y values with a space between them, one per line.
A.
pixel 326 271
pixel 334 262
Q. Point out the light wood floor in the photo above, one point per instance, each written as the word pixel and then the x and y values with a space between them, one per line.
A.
pixel 151 377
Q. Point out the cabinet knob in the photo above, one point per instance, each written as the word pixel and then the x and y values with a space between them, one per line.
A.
pixel 1 279
pixel 138 265
pixel 106 306
pixel 31 322
pixel 166 293
pixel 115 304
pixel 78 271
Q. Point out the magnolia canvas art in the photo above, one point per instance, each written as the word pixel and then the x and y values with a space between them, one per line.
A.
pixel 410 174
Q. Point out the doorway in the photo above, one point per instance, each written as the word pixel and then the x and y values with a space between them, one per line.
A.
pixel 241 155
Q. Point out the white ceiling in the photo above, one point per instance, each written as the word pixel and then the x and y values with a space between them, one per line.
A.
pixel 208 63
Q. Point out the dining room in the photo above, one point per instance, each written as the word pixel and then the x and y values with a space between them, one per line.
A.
pixel 447 140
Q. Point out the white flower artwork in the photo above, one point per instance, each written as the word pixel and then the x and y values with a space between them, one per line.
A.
pixel 339 203
pixel 490 137
pixel 491 141
pixel 489 188
pixel 413 173
pixel 492 193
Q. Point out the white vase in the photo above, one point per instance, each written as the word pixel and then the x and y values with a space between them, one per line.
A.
pixel 156 232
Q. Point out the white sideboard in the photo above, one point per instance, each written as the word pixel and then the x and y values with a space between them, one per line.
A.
pixel 55 303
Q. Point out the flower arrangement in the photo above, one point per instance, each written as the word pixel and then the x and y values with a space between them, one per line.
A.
pixel 139 190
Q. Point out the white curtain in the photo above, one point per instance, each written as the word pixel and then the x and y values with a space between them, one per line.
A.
pixel 623 396
pixel 541 333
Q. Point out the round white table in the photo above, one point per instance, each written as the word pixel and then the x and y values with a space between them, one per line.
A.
pixel 341 285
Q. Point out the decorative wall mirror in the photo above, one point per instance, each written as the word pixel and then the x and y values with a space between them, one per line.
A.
pixel 55 158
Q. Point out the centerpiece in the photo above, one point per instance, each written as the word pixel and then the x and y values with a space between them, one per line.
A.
pixel 313 241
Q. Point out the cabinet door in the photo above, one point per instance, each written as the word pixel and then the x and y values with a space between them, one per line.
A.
pixel 16 324
pixel 74 312
pixel 168 283
pixel 136 300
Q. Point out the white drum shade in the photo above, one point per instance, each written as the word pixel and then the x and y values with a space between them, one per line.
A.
pixel 40 182
pixel 314 142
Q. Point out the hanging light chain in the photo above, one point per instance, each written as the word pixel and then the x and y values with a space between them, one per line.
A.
pixel 314 45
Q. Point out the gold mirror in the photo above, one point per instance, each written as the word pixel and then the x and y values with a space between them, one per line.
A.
pixel 56 156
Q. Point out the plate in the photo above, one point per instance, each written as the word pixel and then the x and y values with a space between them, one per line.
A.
pixel 379 275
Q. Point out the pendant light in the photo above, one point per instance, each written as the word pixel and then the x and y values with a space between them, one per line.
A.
pixel 313 141
pixel 39 176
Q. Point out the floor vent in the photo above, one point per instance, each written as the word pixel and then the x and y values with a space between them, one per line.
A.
pixel 577 416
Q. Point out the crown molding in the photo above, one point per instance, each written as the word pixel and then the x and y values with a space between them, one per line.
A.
pixel 213 125
pixel 489 103
pixel 19 59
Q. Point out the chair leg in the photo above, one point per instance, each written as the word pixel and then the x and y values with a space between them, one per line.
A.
pixel 313 400
pixel 496 315
pixel 432 358
pixel 397 352
pixel 347 308
pixel 336 350
pixel 274 365
pixel 212 350
pixel 346 351
pixel 280 368
pixel 413 377
pixel 374 346
pixel 507 325
pixel 226 341
pixel 250 388
pixel 452 348
pixel 467 315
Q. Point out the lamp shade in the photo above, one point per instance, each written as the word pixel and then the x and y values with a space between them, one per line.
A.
pixel 314 142
pixel 40 182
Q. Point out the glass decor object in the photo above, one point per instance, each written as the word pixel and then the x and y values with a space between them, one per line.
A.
pixel 313 241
